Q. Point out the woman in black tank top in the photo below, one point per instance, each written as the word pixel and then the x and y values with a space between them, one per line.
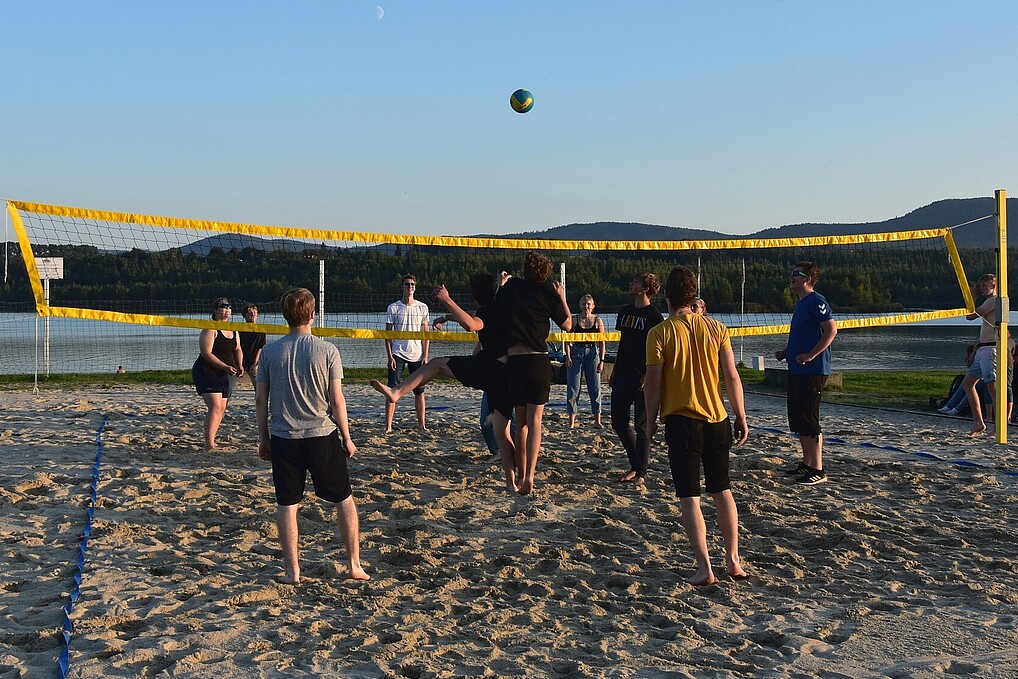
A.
pixel 215 372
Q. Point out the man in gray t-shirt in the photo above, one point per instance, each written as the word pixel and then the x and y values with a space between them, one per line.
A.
pixel 300 382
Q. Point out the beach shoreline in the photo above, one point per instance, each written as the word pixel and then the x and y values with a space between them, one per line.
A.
pixel 902 565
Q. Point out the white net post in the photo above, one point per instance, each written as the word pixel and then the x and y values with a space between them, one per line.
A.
pixel 321 293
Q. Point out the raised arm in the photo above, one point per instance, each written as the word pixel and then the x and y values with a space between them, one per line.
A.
pixel 456 313
pixel 561 292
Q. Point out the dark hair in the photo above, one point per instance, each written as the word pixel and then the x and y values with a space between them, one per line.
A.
pixel 649 282
pixel 247 306
pixel 298 306
pixel 536 267
pixel 810 269
pixel 681 287
pixel 482 287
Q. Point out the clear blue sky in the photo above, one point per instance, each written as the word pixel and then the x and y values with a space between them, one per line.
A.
pixel 733 116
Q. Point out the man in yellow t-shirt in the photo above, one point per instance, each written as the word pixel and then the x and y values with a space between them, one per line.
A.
pixel 685 355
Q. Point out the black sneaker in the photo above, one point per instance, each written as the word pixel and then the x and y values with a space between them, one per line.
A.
pixel 812 477
pixel 799 470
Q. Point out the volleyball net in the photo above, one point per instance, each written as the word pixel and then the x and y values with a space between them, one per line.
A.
pixel 108 284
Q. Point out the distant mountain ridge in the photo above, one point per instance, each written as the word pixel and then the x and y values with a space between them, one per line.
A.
pixel 942 213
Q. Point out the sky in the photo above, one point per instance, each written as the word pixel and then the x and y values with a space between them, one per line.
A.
pixel 394 117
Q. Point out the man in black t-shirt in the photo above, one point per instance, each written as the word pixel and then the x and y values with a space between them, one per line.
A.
pixel 251 344
pixel 526 306
pixel 634 321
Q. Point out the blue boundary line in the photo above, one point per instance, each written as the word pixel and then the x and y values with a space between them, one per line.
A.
pixel 64 660
pixel 926 456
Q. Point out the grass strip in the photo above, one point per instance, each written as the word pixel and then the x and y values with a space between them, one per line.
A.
pixel 904 389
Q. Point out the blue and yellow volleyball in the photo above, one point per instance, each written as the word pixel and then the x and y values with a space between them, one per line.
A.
pixel 521 101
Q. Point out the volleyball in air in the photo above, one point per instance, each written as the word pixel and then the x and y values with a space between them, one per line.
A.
pixel 521 101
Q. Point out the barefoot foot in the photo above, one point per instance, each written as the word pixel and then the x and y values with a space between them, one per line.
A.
pixel 384 391
pixel 701 578
pixel 735 571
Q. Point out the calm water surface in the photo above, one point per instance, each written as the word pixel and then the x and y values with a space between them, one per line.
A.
pixel 89 346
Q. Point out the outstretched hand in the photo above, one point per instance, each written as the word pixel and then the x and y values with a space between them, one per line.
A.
pixel 441 294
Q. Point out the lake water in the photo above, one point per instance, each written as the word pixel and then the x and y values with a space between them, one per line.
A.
pixel 97 347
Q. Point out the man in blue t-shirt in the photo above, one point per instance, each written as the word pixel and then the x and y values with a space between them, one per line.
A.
pixel 809 363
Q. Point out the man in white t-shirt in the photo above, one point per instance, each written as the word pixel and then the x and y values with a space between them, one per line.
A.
pixel 406 314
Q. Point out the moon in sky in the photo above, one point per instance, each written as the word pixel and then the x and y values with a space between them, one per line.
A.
pixel 379 12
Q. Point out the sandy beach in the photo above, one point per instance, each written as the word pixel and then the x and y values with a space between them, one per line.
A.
pixel 902 565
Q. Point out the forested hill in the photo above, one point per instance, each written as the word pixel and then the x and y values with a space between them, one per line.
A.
pixel 943 213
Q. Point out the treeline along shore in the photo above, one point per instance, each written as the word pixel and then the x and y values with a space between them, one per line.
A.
pixel 876 278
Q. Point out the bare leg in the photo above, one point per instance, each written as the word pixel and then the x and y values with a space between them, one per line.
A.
pixel 349 528
pixel 421 376
pixel 421 411
pixel 534 415
pixel 728 522
pixel 506 449
pixel 390 410
pixel 286 523
pixel 696 532
pixel 520 442
pixel 213 417
pixel 813 450
pixel 969 385
pixel 992 388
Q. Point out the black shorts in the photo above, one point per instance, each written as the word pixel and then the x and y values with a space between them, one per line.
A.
pixel 209 381
pixel 804 393
pixel 323 456
pixel 528 379
pixel 694 442
pixel 484 373
pixel 498 390
pixel 471 371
